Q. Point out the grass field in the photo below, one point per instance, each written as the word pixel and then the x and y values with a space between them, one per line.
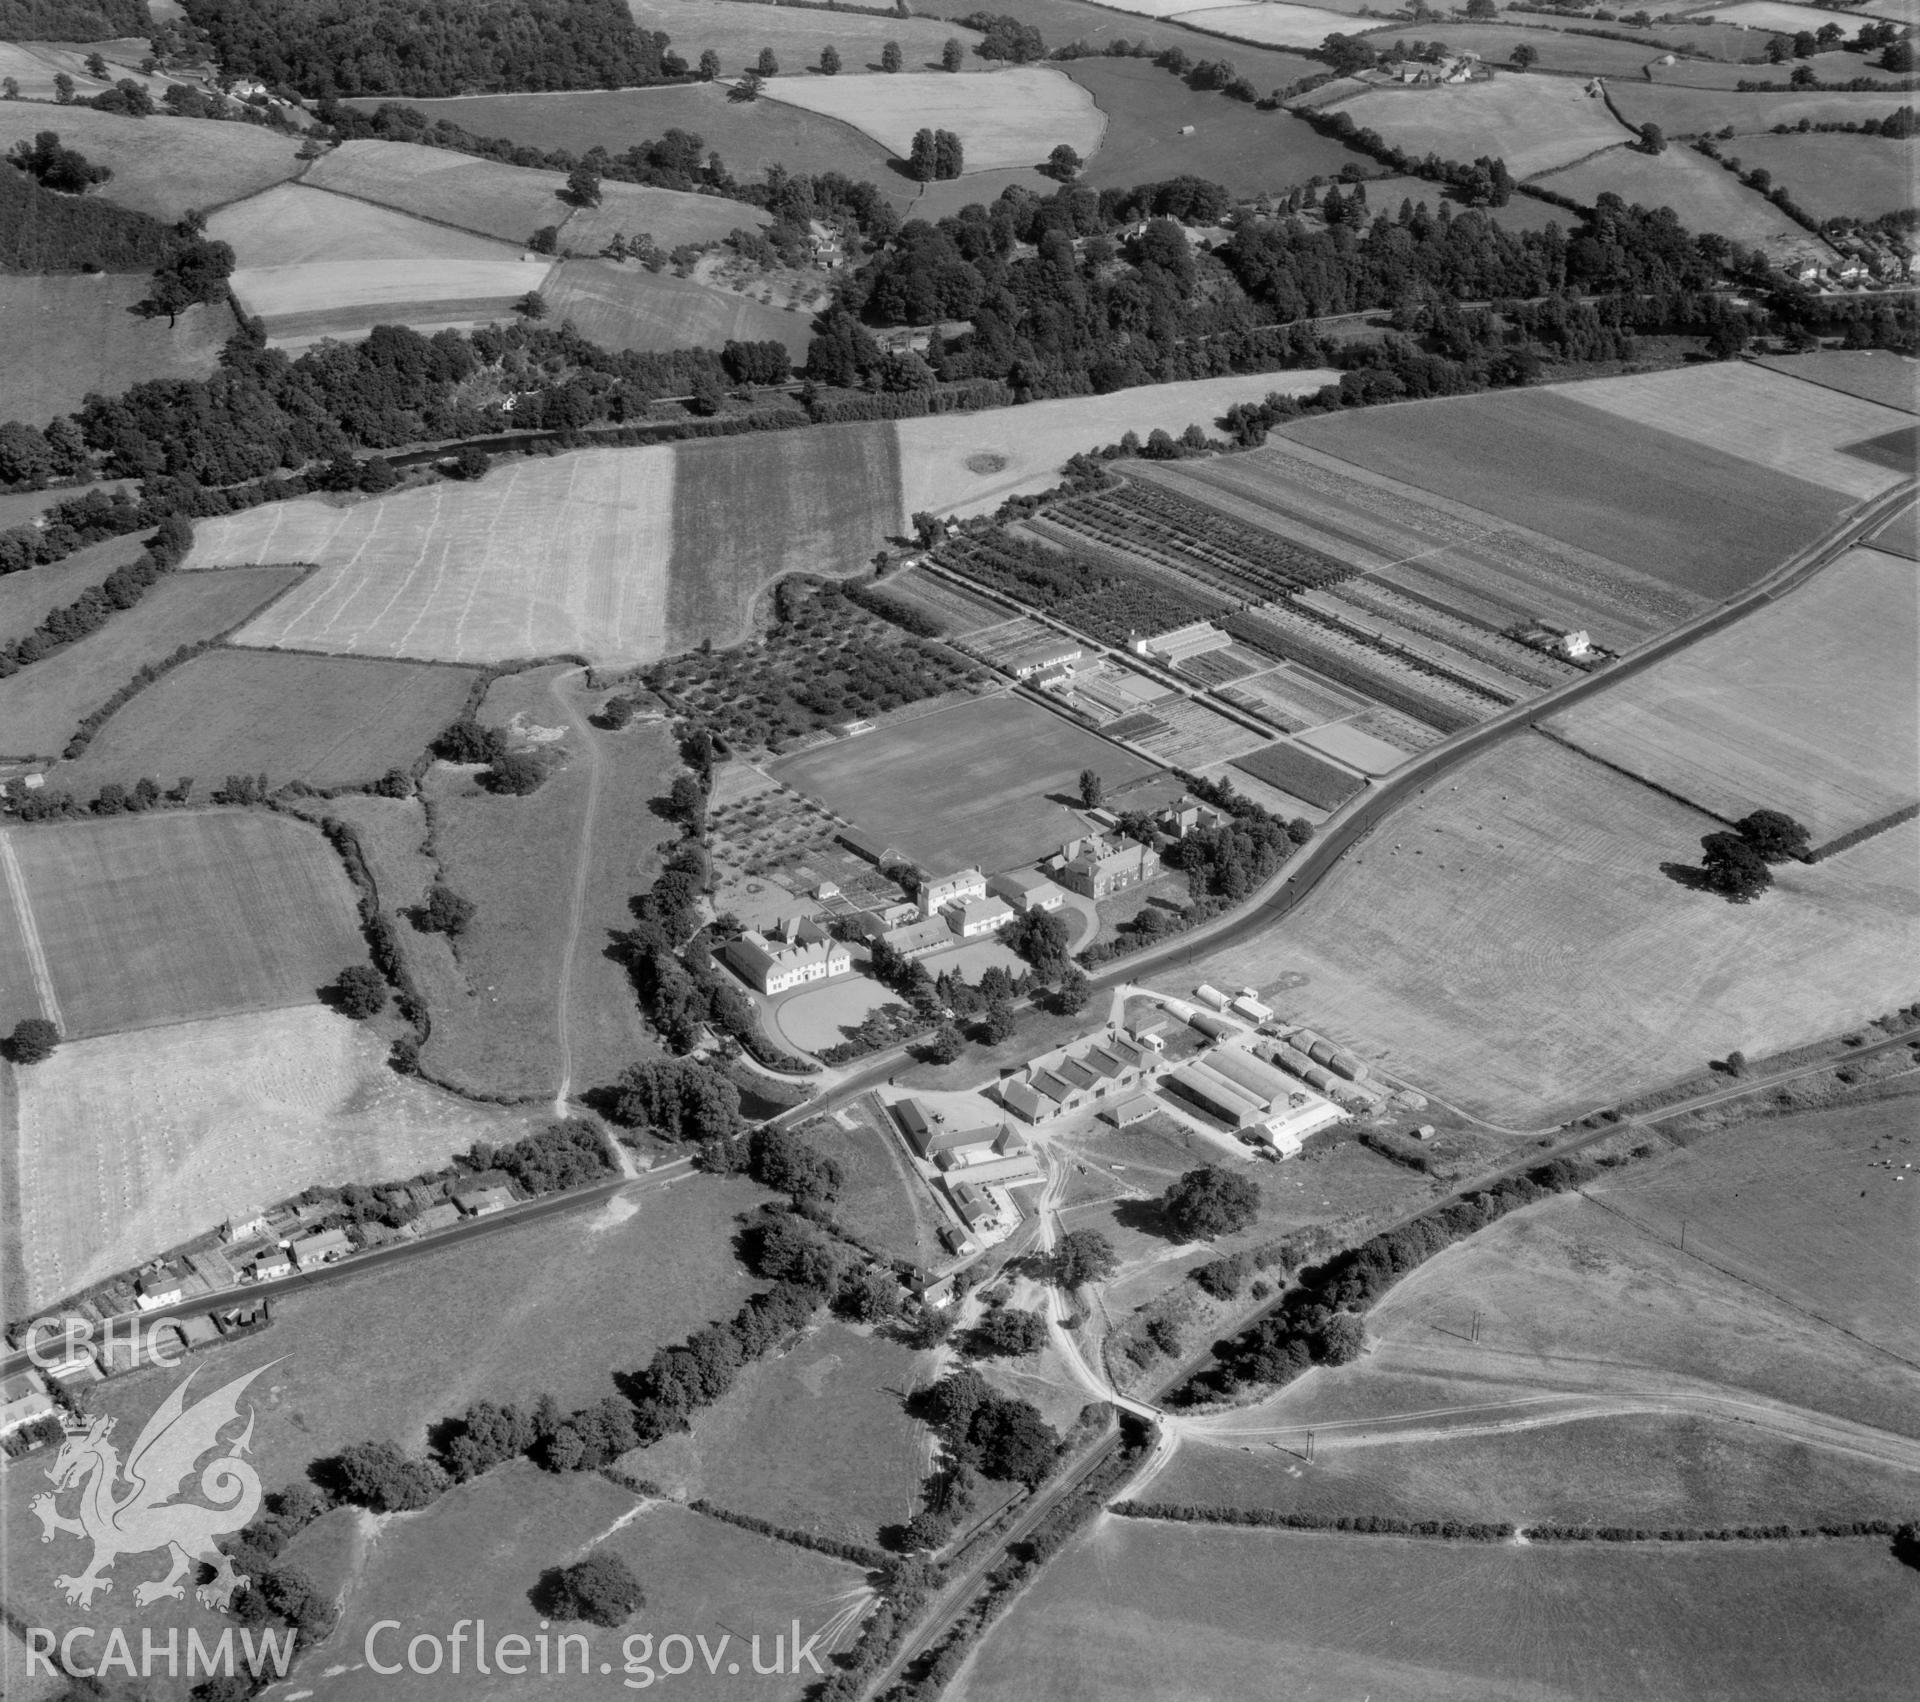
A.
pixel 1356 747
pixel 135 921
pixel 970 463
pixel 996 798
pixel 325 721
pixel 1807 706
pixel 1878 375
pixel 293 224
pixel 881 1199
pixel 1268 25
pixel 1513 944
pixel 1702 195
pixel 478 1553
pixel 749 136
pixel 1590 56
pixel 1760 416
pixel 1859 177
pixel 820 1016
pixel 513 202
pixel 617 554
pixel 27 598
pixel 1694 112
pixel 817 1439
pixel 1243 150
pixel 299 305
pixel 1539 122
pixel 1013 118
pixel 1702 520
pixel 797 36
pixel 1135 1611
pixel 1901 534
pixel 71 333
pixel 130 1143
pixel 163 166
pixel 621 305
pixel 41 705
pixel 1769 15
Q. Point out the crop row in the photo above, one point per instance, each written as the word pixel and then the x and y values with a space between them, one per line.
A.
pixel 1095 597
pixel 1387 633
pixel 1508 654
pixel 1379 674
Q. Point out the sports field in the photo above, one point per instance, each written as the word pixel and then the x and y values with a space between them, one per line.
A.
pixel 1761 416
pixel 1858 177
pixel 1702 195
pixel 163 166
pixel 1134 1611
pixel 322 720
pixel 1877 375
pixel 347 298
pixel 130 1143
pixel 1013 117
pixel 1243 150
pixel 999 788
pixel 619 304
pixel 797 35
pixel 1806 706
pixel 513 202
pixel 134 921
pixel 970 463
pixel 42 704
pixel 1537 122
pixel 542 556
pixel 1513 943
pixel 1702 520
pixel 294 225
pixel 71 333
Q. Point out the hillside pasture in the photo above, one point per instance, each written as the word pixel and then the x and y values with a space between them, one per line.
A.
pixel 619 304
pixel 294 224
pixel 319 720
pixel 797 35
pixel 163 166
pixel 1854 177
pixel 1702 195
pixel 137 921
pixel 1684 112
pixel 1761 416
pixel 28 597
pixel 1875 375
pixel 1806 706
pixel 512 202
pixel 969 464
pixel 1773 15
pixel 1514 943
pixel 1012 117
pixel 42 704
pixel 1268 25
pixel 1132 1610
pixel 1702 520
pixel 1243 150
pixel 1533 123
pixel 70 333
pixel 1556 50
pixel 130 1143
pixel 301 304
pixel 568 554
pixel 995 798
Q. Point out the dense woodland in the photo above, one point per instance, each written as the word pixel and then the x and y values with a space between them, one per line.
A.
pixel 43 231
pixel 432 47
pixel 72 20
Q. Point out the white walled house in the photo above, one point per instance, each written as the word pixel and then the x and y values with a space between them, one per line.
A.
pixel 787 958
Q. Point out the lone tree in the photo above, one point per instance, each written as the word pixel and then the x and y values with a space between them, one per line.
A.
pixel 1082 1256
pixel 748 87
pixel 1523 56
pixel 532 305
pixel 1063 163
pixel 1209 1202
pixel 583 186
pixel 1733 868
pixel 766 65
pixel 830 61
pixel 1653 140
pixel 360 992
pixel 890 57
pixel 952 54
pixel 515 774
pixel 709 66
pixel 944 1044
pixel 1092 788
pixel 600 1589
pixel 1007 1333
pixel 32 1040
pixel 1776 836
pixel 445 912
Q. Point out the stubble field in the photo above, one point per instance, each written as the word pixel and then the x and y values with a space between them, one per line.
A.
pixel 1137 1610
pixel 68 334
pixel 322 720
pixel 1539 122
pixel 133 1142
pixel 41 705
pixel 1807 706
pixel 147 920
pixel 1513 944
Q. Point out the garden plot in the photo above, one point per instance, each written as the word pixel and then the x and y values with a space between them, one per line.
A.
pixel 1759 416
pixel 1014 117
pixel 1702 195
pixel 1292 699
pixel 1513 943
pixel 1355 747
pixel 1534 123
pixel 969 464
pixel 301 304
pixel 513 202
pixel 132 1143
pixel 1806 706
pixel 295 225
pixel 1189 735
pixel 1301 774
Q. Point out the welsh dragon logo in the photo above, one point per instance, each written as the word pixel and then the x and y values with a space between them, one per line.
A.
pixel 148 1512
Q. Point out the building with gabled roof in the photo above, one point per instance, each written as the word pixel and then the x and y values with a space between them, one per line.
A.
pixel 1097 867
pixel 939 891
pixel 972 917
pixel 1027 889
pixel 787 956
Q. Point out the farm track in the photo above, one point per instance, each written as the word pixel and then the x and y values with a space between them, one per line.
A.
pixel 582 875
pixel 30 933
